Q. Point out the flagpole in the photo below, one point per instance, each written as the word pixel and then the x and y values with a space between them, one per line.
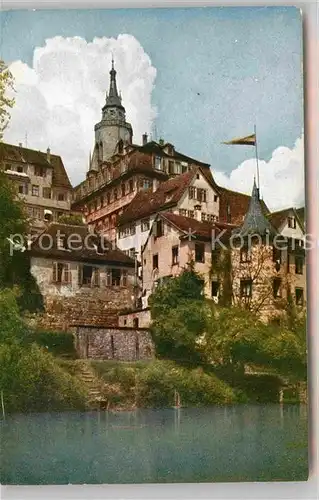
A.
pixel 256 150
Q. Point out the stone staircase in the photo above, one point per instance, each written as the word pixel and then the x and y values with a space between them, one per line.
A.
pixel 96 399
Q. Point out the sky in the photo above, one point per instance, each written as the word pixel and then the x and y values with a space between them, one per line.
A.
pixel 195 77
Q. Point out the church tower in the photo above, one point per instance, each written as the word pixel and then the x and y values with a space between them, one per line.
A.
pixel 112 133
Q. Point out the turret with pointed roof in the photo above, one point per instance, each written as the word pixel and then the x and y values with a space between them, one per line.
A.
pixel 113 98
pixel 112 133
pixel 255 221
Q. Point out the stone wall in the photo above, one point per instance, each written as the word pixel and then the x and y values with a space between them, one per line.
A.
pixel 121 344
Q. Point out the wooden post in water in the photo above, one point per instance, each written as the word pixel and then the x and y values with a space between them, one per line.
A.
pixel 2 406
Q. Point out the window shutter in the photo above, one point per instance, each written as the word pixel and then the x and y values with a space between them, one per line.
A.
pixel 80 275
pixel 124 278
pixel 108 277
pixel 96 276
pixel 66 273
pixel 55 272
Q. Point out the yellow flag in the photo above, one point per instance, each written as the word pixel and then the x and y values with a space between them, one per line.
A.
pixel 250 140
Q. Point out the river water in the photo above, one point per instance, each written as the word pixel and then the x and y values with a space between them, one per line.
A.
pixel 235 443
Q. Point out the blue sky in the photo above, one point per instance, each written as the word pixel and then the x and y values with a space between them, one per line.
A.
pixel 218 70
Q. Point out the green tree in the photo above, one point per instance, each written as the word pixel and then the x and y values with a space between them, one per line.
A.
pixel 6 103
pixel 15 263
pixel 72 219
pixel 178 319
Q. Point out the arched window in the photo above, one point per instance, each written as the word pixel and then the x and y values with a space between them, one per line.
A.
pixel 120 146
pixel 97 152
pixel 101 151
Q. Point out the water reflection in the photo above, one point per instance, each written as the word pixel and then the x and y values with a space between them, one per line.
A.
pixel 236 443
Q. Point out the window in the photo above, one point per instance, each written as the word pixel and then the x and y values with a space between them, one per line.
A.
pixel 183 212
pixel 155 261
pixel 292 222
pixel 115 194
pixel 158 163
pixel 89 276
pixel 145 225
pixel 174 255
pixel 192 192
pixel 61 196
pixel 245 254
pixel 135 322
pixel 116 277
pixel 215 257
pixel 211 218
pixel 276 288
pixel 215 288
pixel 132 253
pixel 113 277
pixel 201 195
pixel 190 214
pixel 23 189
pixel 184 168
pixel 61 273
pixel 215 198
pixel 132 229
pixel 159 229
pixel 299 296
pixel 197 176
pixel 101 201
pixel 199 252
pixel 20 169
pixel 108 198
pixel 39 171
pixel 246 288
pixel 203 217
pixel 146 183
pixel 131 185
pixel 35 190
pixel 298 265
pixel 170 167
pixel 46 193
pixel 123 189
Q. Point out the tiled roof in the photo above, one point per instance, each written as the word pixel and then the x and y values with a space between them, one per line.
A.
pixel 154 147
pixel 11 152
pixel 238 204
pixel 98 316
pixel 198 229
pixel 256 222
pixel 80 250
pixel 148 202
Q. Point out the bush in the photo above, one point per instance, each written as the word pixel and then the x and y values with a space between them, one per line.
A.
pixel 31 380
pixel 153 384
pixel 57 343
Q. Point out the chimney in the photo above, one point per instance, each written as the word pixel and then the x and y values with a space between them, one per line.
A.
pixel 144 138
pixel 48 155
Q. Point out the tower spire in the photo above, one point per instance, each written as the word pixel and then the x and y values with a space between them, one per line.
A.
pixel 113 93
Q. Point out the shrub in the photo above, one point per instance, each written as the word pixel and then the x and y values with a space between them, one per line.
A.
pixel 57 343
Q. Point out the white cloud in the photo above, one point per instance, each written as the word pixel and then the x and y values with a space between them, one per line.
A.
pixel 59 98
pixel 282 182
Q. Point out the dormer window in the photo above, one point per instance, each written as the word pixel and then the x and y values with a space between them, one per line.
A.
pixel 292 222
